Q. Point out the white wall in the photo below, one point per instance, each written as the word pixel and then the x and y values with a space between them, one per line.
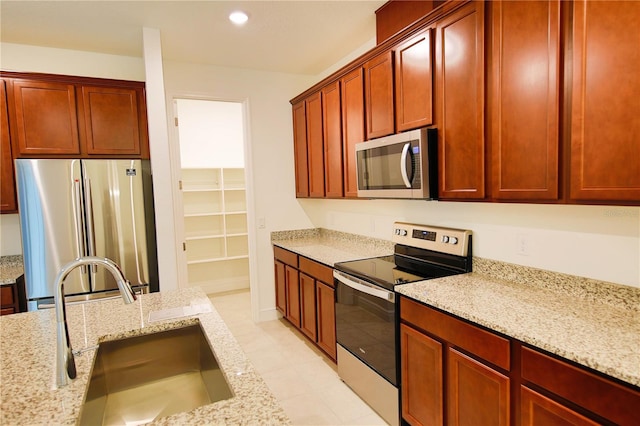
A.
pixel 214 131
pixel 600 242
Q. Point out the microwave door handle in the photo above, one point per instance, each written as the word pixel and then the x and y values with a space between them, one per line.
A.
pixel 403 165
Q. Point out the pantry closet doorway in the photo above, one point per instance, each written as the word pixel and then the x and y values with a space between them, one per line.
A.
pixel 214 192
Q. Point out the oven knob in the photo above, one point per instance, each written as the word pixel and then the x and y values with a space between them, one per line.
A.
pixel 445 239
pixel 403 232
pixel 453 240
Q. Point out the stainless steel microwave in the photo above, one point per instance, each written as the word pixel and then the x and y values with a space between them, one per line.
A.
pixel 399 166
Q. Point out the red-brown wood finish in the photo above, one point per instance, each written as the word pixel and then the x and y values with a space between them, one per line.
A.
pixel 596 394
pixel 352 91
pixel 395 15
pixel 292 282
pixel 315 146
pixel 316 270
pixel 485 344
pixel 477 394
pixel 378 95
pixel 525 98
pixel 300 149
pixel 112 122
pixel 308 306
pixel 332 131
pixel 538 410
pixel 460 103
pixel 281 287
pixel 45 117
pixel 326 310
pixel 414 82
pixel 8 202
pixel 605 107
pixel 422 381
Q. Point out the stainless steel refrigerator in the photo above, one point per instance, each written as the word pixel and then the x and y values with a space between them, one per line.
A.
pixel 72 208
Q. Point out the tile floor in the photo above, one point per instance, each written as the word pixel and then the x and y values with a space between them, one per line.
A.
pixel 304 381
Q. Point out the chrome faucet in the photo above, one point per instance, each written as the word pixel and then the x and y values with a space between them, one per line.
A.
pixel 66 364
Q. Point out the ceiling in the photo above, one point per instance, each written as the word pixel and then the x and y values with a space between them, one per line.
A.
pixel 299 37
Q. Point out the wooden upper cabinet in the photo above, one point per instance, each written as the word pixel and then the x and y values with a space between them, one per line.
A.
pixel 300 149
pixel 352 90
pixel 45 118
pixel 111 120
pixel 524 100
pixel 315 145
pixel 378 94
pixel 7 186
pixel 460 103
pixel 414 82
pixel 332 131
pixel 605 107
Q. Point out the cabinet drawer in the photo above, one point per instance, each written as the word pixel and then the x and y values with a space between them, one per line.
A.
pixel 317 270
pixel 603 397
pixel 285 256
pixel 7 297
pixel 484 344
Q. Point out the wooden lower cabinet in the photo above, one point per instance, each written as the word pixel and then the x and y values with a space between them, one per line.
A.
pixel 477 394
pixel 305 296
pixel 12 298
pixel 308 306
pixel 421 370
pixel 457 373
pixel 326 311
pixel 538 410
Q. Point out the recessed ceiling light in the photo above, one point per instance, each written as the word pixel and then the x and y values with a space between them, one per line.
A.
pixel 238 17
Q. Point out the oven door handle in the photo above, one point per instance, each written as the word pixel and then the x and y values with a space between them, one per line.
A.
pixel 364 287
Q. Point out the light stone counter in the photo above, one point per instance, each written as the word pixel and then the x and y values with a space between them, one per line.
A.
pixel 27 361
pixel 330 247
pixel 10 269
pixel 595 324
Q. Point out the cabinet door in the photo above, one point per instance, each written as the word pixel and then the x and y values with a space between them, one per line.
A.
pixel 8 185
pixel 525 96
pixel 422 386
pixel 414 83
pixel 460 103
pixel 308 306
pixel 477 394
pixel 332 130
pixel 538 410
pixel 326 309
pixel 352 88
pixel 46 118
pixel 315 146
pixel 605 107
pixel 300 149
pixel 378 94
pixel 292 295
pixel 111 120
pixel 281 288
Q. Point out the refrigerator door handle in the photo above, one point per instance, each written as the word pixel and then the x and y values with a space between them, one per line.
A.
pixel 79 221
pixel 91 241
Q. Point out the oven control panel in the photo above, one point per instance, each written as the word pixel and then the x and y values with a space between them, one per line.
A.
pixel 445 240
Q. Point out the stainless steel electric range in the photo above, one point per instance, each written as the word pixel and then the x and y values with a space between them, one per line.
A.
pixel 367 314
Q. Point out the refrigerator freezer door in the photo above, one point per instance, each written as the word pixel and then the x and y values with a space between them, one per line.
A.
pixel 116 219
pixel 49 197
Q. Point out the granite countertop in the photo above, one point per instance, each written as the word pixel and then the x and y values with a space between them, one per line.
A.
pixel 28 349
pixel 330 247
pixel 594 323
pixel 10 269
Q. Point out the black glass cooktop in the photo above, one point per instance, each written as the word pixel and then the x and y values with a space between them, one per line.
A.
pixel 381 270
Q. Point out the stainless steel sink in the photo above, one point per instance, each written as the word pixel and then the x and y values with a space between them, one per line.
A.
pixel 138 379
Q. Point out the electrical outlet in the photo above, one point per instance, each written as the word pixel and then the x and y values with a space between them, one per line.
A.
pixel 523 245
pixel 261 222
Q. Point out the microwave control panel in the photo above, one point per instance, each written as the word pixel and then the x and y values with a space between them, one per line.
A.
pixel 445 240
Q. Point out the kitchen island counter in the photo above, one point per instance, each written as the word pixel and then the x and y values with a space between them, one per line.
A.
pixel 28 351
